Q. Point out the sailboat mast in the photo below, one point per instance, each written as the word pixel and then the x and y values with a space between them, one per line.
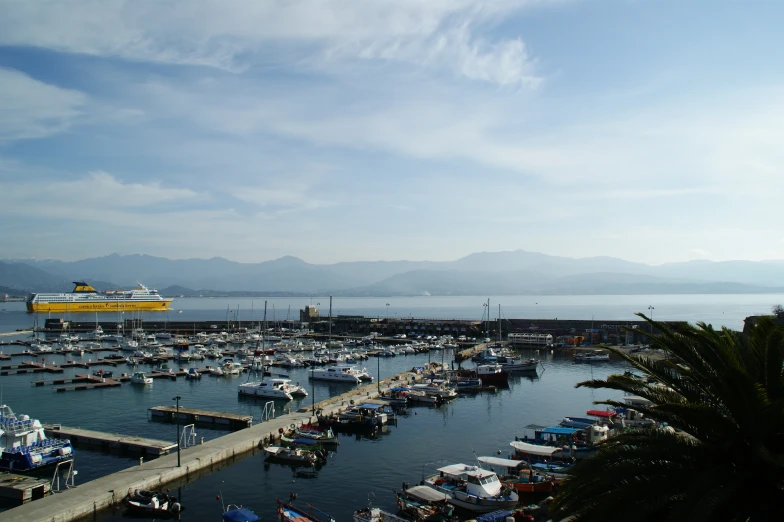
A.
pixel 330 318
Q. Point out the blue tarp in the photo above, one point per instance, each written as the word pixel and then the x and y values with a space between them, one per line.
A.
pixel 559 430
pixel 241 515
pixel 398 389
pixel 371 406
pixel 495 516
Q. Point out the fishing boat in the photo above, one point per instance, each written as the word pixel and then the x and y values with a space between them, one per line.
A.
pixel 272 389
pixel 424 504
pixel 592 356
pixel 24 446
pixel 472 488
pixel 154 503
pixel 510 364
pixel 369 416
pixel 294 455
pixel 493 375
pixel 140 378
pixel 289 513
pixel 84 298
pixel 322 436
pixel 374 514
pixel 518 475
pixel 233 513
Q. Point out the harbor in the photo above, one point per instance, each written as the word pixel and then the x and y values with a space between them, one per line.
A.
pixel 542 398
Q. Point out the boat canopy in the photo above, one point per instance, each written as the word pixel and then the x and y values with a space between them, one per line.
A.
pixel 463 469
pixel 399 389
pixel 496 461
pixel 601 413
pixel 370 406
pixel 559 430
pixel 534 449
pixel 427 494
pixel 240 515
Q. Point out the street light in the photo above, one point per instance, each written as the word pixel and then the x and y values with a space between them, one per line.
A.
pixel 650 307
pixel 177 419
pixel 387 312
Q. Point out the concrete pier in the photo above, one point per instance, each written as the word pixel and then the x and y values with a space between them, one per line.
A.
pixel 111 440
pixel 89 498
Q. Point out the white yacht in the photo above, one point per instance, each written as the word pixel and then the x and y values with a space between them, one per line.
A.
pixel 336 373
pixel 140 378
pixel 273 389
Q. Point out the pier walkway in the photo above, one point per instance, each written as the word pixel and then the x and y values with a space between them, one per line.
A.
pixel 110 440
pixel 89 498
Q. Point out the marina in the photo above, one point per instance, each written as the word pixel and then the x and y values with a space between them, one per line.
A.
pixel 543 397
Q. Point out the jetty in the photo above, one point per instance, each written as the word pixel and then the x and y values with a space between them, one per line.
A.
pixel 88 499
pixel 219 419
pixel 109 441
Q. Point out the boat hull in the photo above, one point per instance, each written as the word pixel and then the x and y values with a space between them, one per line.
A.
pixel 99 306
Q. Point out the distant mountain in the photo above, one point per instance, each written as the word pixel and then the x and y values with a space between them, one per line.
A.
pixel 482 273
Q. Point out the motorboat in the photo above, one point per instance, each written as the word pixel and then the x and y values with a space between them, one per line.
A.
pixel 336 373
pixel 151 502
pixel 321 436
pixel 193 374
pixel 272 389
pixel 294 455
pixel 493 375
pixel 24 445
pixel 230 367
pixel 140 378
pixel 592 356
pixel 473 488
pixel 509 364
pixel 103 373
pixel 216 371
pixel 366 416
pixel 517 477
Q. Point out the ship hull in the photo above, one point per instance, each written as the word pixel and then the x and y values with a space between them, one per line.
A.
pixel 100 306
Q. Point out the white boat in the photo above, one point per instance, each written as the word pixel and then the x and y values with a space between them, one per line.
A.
pixel 216 371
pixel 230 367
pixel 140 378
pixel 24 446
pixel 336 373
pixel 374 514
pixel 273 389
pixel 473 488
pixel 592 356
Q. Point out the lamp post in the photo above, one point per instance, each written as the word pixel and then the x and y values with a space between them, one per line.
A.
pixel 650 307
pixel 177 420
pixel 387 312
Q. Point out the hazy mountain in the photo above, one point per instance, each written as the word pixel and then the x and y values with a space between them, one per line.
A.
pixel 499 273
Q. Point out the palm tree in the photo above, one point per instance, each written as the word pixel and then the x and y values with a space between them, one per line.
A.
pixel 718 452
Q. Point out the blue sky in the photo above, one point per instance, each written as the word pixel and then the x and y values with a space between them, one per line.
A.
pixel 340 130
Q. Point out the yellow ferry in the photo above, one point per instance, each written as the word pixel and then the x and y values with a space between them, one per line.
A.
pixel 84 298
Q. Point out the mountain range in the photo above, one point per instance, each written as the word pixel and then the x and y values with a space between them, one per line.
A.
pixel 516 272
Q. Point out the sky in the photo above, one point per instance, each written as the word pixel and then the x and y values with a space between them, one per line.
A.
pixel 342 130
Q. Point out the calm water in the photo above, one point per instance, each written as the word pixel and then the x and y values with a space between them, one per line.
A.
pixel 424 440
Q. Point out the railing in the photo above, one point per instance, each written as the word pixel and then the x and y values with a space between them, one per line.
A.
pixel 188 436
pixel 268 412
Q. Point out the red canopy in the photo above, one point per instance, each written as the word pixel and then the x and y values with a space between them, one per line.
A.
pixel 601 413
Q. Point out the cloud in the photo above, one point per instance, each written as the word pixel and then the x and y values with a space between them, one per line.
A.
pixel 432 33
pixel 33 109
pixel 92 196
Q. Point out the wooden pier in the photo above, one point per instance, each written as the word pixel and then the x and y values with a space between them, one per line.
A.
pixel 111 440
pixel 29 367
pixel 231 421
pixel 22 488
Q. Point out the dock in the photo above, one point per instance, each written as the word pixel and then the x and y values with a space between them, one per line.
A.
pixel 231 421
pixel 108 441
pixel 102 493
pixel 29 367
pixel 22 488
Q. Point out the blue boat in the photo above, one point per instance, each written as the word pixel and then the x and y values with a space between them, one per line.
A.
pixel 24 445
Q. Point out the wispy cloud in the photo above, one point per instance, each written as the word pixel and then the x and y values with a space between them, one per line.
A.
pixel 33 109
pixel 233 37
